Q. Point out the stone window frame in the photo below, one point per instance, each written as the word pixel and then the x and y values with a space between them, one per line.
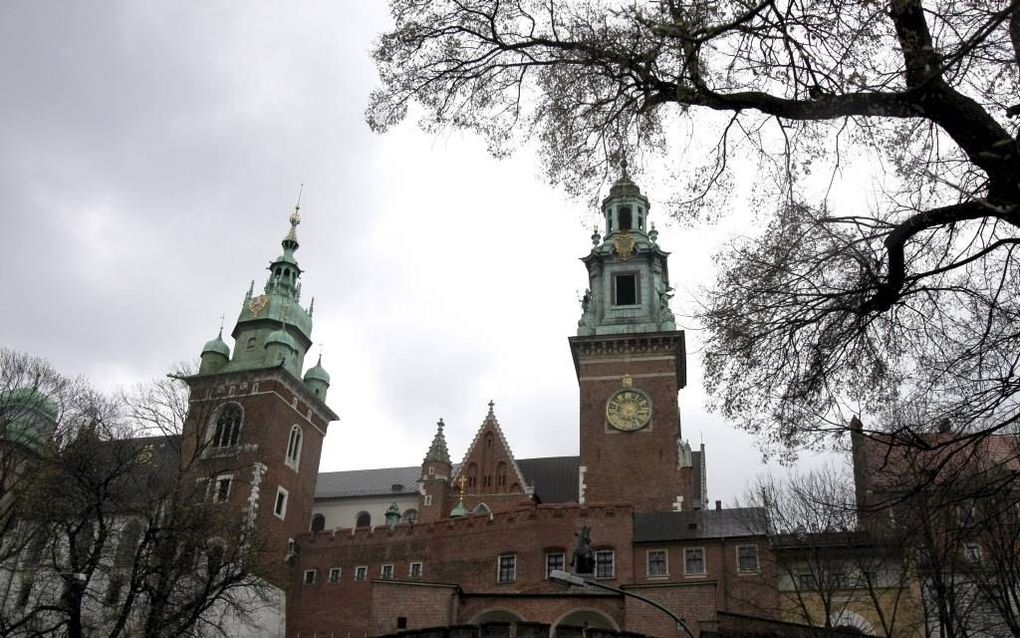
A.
pixel 704 561
pixel 637 288
pixel 335 573
pixel 310 577
pixel 411 569
pixel 562 560
pixel 234 440
pixel 600 574
pixel 294 445
pixel 665 563
pixel 507 574
pixel 280 508
pixel 427 500
pixel 387 571
pixel 215 487
pixel 361 573
pixel 757 559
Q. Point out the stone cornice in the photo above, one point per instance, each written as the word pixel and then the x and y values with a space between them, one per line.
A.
pixel 597 346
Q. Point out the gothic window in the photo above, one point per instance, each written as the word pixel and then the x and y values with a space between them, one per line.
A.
pixel 482 508
pixel 294 447
pixel 501 474
pixel 625 291
pixel 605 563
pixel 506 568
pixel 472 478
pixel 364 519
pixel 694 561
pixel 228 426
pixel 625 219
pixel 318 523
pixel 488 439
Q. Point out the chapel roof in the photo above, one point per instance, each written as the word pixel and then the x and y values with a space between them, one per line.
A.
pixel 676 526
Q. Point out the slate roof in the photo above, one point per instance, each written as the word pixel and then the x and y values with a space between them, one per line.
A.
pixel 374 482
pixel 554 479
pixel 657 527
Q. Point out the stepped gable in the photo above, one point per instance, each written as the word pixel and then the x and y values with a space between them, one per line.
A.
pixel 489 466
pixel 373 482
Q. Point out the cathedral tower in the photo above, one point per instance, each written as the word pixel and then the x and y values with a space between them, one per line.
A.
pixel 630 364
pixel 255 428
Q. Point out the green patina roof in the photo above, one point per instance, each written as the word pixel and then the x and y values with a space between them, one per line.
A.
pixel 281 336
pixel 27 417
pixel 438 453
pixel 460 510
pixel 317 373
pixel 217 345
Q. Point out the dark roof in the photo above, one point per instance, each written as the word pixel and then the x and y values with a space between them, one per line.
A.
pixel 554 479
pixel 376 482
pixel 678 526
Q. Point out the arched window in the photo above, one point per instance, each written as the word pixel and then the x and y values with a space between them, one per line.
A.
pixel 482 508
pixel 625 219
pixel 251 343
pixel 228 426
pixel 364 520
pixel 409 516
pixel 318 523
pixel 294 447
pixel 501 474
pixel 488 439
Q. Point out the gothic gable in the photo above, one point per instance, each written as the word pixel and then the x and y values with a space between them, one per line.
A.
pixel 489 466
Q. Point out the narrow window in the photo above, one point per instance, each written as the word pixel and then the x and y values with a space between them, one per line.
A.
pixel 386 572
pixel 506 568
pixel 228 426
pixel 432 471
pixel 972 552
pixel 657 563
pixel 694 561
pixel 427 500
pixel 361 573
pixel 334 575
pixel 625 289
pixel 604 563
pixel 310 576
pixel 553 560
pixel 222 489
pixel 251 343
pixel 364 519
pixel 747 559
pixel 625 219
pixel 294 447
pixel 280 508
pixel 415 570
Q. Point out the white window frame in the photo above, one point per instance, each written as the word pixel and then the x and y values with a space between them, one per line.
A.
pixel 612 564
pixel 704 561
pixel 513 568
pixel 563 561
pixel 972 552
pixel 293 457
pixel 665 563
pixel 361 573
pixel 410 569
pixel 278 511
pixel 757 559
pixel 314 573
pixel 229 478
pixel 427 501
pixel 388 567
pixel 334 575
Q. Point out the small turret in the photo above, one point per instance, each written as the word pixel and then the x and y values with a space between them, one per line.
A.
pixel 434 484
pixel 317 380
pixel 282 348
pixel 215 355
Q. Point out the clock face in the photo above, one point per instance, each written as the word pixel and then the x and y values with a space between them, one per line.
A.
pixel 628 410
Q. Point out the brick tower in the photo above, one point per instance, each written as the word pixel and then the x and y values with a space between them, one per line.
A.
pixel 255 427
pixel 630 364
pixel 434 484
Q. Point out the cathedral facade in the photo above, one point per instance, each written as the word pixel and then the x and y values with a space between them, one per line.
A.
pixel 446 543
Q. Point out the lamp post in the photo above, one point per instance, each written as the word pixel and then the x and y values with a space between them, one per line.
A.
pixel 565 578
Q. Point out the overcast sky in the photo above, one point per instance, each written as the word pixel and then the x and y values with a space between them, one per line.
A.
pixel 151 152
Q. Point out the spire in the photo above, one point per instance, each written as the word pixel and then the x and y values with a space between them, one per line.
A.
pixel 437 451
pixel 290 242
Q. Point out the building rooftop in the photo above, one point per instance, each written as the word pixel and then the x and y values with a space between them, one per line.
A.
pixel 657 527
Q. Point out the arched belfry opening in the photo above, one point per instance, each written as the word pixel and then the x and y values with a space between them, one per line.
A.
pixel 626 222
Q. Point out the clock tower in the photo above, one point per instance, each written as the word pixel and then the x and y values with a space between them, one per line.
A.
pixel 630 364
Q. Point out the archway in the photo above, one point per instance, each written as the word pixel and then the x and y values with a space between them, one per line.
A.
pixel 851 622
pixel 495 615
pixel 591 618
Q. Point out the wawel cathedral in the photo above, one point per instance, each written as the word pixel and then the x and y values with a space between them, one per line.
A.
pixel 449 544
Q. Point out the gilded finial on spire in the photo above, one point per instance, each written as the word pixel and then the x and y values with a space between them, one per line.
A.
pixel 295 219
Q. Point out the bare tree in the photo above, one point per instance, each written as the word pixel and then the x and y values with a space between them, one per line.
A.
pixel 828 569
pixel 837 307
pixel 113 532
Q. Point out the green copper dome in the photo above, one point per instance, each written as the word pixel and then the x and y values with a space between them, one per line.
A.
pixel 217 346
pixel 317 373
pixel 281 336
pixel 459 511
pixel 29 417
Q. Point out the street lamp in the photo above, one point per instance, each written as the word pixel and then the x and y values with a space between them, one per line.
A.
pixel 565 578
